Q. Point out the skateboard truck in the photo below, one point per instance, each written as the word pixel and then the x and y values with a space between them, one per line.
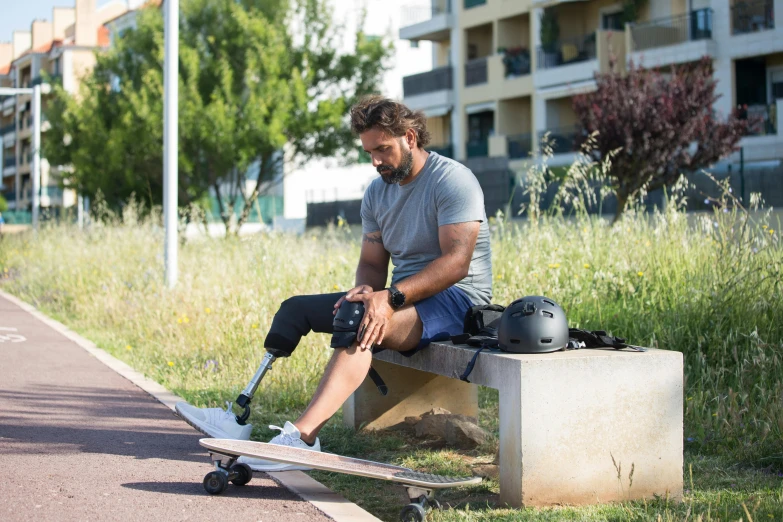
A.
pixel 421 499
pixel 215 482
pixel 243 401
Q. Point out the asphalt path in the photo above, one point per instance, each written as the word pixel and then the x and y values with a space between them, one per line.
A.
pixel 80 442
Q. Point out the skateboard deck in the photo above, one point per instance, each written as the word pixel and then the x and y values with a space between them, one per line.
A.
pixel 420 486
pixel 335 463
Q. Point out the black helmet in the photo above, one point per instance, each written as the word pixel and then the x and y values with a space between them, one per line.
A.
pixel 533 324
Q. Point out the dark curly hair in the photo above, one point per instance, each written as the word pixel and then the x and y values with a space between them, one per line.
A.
pixel 394 118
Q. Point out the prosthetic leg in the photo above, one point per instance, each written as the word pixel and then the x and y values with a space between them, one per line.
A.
pixel 297 317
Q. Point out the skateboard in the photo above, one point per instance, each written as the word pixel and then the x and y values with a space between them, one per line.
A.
pixel 420 486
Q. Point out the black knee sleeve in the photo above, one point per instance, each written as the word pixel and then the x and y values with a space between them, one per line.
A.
pixel 297 317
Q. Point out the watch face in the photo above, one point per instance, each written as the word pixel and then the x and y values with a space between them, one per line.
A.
pixel 398 299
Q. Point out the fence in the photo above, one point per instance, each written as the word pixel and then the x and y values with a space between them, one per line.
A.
pixel 439 79
pixel 672 30
pixel 418 13
pixel 264 209
pixel 476 71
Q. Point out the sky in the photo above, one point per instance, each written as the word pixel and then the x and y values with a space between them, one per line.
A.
pixel 17 15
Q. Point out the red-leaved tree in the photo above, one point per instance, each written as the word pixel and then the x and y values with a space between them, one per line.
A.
pixel 661 125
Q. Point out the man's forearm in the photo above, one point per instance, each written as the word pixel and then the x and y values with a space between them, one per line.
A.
pixel 440 274
pixel 369 275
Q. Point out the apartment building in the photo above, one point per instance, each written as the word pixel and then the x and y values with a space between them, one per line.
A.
pixel 64 50
pixel 502 77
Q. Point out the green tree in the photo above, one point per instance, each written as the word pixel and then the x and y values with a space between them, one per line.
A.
pixel 261 82
pixel 3 204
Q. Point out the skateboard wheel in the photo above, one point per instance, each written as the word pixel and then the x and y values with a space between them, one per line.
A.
pixel 215 483
pixel 412 513
pixel 434 504
pixel 244 474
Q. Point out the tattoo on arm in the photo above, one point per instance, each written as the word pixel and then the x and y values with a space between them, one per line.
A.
pixel 373 238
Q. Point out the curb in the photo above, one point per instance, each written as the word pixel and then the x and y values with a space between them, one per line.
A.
pixel 312 491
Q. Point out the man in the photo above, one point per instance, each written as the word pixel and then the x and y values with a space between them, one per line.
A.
pixel 425 212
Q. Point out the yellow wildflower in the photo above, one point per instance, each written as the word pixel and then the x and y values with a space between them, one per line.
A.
pixel 207 310
pixel 254 326
pixel 640 274
pixel 128 348
pixel 554 265
pixel 171 363
pixel 771 231
pixel 179 320
pixel 765 227
pixel 336 287
pixel 587 265
pixel 185 319
pixel 646 243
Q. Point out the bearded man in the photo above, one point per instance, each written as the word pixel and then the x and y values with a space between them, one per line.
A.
pixel 426 213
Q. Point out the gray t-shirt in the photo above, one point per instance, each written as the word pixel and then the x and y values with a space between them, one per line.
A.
pixel 408 216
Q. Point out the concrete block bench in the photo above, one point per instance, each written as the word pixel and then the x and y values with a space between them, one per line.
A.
pixel 570 422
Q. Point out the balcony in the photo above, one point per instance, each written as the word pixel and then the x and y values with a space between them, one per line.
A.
pixel 567 51
pixel 474 3
pixel 764 120
pixel 7 129
pixel 430 91
pixel 562 140
pixel 477 148
pixel 752 16
pixel 476 72
pixel 9 162
pixel 444 150
pixel 427 23
pixel 673 40
pixel 519 146
pixel 431 81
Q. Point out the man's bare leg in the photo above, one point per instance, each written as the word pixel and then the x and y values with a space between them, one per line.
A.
pixel 347 369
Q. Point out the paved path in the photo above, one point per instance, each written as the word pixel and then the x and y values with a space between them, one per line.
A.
pixel 79 442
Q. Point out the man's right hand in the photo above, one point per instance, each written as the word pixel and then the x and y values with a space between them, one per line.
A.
pixel 362 289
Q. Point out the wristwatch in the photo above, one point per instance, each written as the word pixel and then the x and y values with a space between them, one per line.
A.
pixel 396 298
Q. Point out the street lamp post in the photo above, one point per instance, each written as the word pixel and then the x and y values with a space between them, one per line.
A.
pixel 170 137
pixel 36 91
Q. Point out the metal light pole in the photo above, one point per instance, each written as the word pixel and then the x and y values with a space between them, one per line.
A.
pixel 170 138
pixel 35 175
pixel 36 153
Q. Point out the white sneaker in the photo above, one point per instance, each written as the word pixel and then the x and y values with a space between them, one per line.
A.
pixel 215 422
pixel 289 436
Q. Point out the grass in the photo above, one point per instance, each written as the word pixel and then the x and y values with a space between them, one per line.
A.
pixel 711 290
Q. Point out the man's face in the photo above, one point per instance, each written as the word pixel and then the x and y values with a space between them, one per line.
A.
pixel 391 157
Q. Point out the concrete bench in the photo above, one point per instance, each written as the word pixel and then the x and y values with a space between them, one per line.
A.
pixel 570 422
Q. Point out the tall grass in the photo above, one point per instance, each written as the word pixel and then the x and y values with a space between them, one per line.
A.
pixel 708 286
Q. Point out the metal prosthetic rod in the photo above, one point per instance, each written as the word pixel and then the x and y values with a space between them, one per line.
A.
pixel 244 398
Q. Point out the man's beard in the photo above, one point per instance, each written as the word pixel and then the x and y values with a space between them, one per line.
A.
pixel 393 175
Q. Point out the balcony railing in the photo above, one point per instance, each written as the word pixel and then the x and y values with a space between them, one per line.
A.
pixel 430 81
pixel 416 14
pixel 474 3
pixel 8 128
pixel 9 162
pixel 476 71
pixel 477 148
pixel 696 25
pixel 10 196
pixel 763 119
pixel 567 51
pixel 516 61
pixel 749 16
pixel 561 139
pixel 519 146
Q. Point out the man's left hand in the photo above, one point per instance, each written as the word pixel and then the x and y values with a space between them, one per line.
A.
pixel 377 314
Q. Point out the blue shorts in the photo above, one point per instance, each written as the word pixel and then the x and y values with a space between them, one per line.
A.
pixel 442 315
